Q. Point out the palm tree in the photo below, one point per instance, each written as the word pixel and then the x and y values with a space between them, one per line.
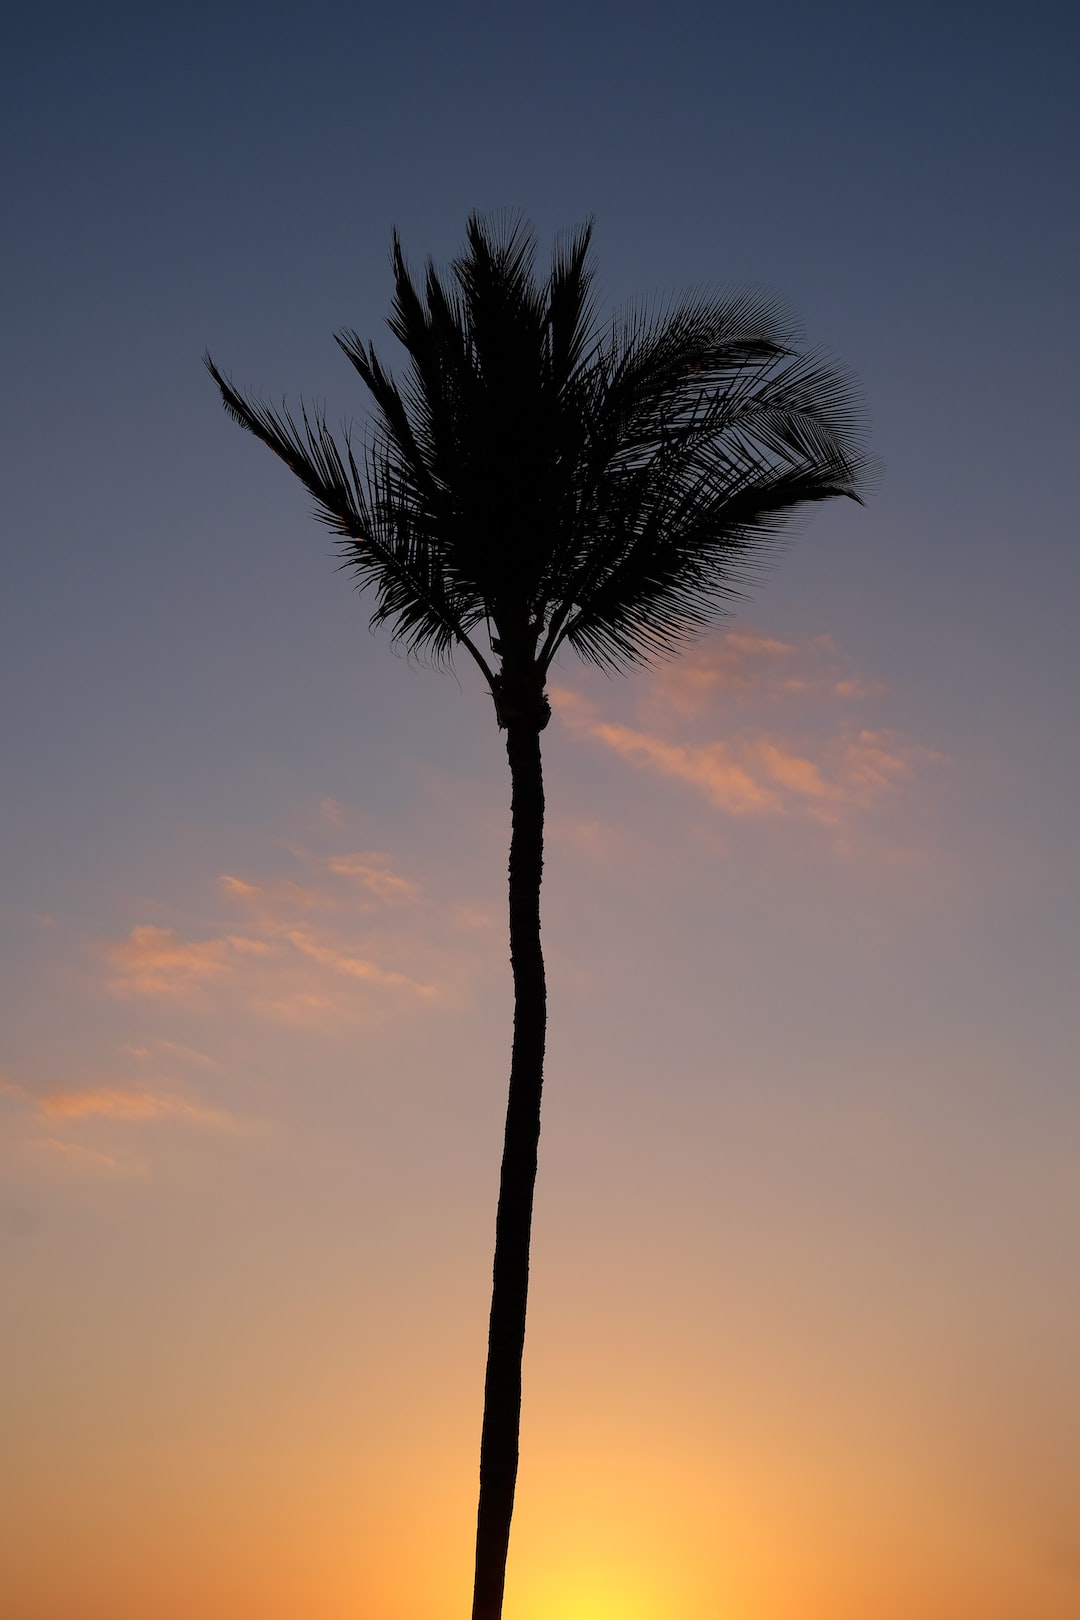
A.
pixel 540 480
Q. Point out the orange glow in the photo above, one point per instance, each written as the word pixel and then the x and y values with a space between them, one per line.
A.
pixel 799 1344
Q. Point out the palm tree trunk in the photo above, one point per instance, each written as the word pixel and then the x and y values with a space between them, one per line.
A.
pixel 506 1334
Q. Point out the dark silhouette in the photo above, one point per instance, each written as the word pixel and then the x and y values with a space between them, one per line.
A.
pixel 537 479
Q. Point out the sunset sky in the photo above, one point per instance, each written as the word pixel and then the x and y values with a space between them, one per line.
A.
pixel 804 1328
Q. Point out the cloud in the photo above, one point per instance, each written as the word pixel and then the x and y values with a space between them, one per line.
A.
pixel 354 966
pixel 114 1102
pixel 75 1118
pixel 289 960
pixel 79 1156
pixel 271 897
pixel 760 776
pixel 791 771
pixel 270 975
pixel 172 1049
pixel 323 939
pixel 876 762
pixel 157 961
pixel 805 757
pixel 370 880
pixel 747 664
pixel 373 873
pixel 709 766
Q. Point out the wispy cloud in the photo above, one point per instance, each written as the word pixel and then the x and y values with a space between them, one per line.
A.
pixel 746 664
pixel 709 766
pixel 350 915
pixel 115 1102
pixel 157 961
pixel 79 1156
pixel 323 939
pixel 374 873
pixel 101 1127
pixel 271 897
pixel 171 1049
pixel 270 975
pixel 371 881
pixel 110 1099
pixel 356 967
pixel 761 726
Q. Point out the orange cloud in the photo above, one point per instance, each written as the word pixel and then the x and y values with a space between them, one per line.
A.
pixel 875 763
pixel 156 961
pixel 757 775
pixel 372 871
pixel 792 771
pixel 265 974
pixel 112 1102
pixel 81 1157
pixel 75 1110
pixel 355 966
pixel 266 896
pixel 274 968
pixel 371 880
pixel 338 936
pixel 749 664
pixel 708 766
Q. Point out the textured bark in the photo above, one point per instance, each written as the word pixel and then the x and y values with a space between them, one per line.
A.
pixel 506 1334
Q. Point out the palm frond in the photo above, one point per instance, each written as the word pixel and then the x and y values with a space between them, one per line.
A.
pixel 570 313
pixel 375 519
pixel 677 464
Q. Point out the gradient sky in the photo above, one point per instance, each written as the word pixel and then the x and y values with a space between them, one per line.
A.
pixel 804 1327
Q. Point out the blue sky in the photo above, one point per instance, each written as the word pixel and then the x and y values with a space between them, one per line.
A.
pixel 229 177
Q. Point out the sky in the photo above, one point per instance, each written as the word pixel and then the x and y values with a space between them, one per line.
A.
pixel 803 1327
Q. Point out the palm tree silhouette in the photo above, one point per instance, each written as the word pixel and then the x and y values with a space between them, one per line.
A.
pixel 540 479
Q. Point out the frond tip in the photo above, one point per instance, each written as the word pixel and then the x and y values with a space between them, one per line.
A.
pixel 539 477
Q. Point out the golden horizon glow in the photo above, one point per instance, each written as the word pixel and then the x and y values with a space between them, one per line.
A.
pixel 267 1177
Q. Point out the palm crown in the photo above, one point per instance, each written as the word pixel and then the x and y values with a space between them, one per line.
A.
pixel 537 477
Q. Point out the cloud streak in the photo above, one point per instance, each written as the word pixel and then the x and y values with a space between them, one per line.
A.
pixel 804 758
pixel 157 961
pixel 115 1102
pixel 93 1128
pixel 80 1157
pixel 373 873
pixel 352 918
pixel 356 967
pixel 747 665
